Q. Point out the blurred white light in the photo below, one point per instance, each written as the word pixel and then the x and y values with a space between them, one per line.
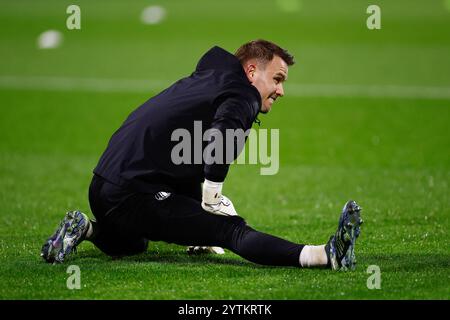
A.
pixel 50 39
pixel 289 5
pixel 153 15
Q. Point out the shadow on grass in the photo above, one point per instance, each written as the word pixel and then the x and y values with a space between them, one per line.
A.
pixel 411 262
pixel 170 257
pixel 396 262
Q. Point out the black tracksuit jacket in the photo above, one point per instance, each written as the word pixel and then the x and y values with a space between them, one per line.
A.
pixel 217 93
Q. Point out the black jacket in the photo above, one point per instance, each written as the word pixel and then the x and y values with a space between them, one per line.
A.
pixel 217 93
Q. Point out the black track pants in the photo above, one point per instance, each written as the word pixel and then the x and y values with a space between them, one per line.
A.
pixel 127 220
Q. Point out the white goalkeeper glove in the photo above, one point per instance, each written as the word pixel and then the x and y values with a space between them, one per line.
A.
pixel 213 201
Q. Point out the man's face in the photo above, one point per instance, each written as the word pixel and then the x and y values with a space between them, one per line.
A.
pixel 268 79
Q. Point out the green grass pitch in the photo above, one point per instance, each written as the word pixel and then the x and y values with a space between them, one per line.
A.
pixel 366 116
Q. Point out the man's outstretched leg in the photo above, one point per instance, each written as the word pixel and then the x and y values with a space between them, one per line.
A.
pixel 338 253
pixel 184 222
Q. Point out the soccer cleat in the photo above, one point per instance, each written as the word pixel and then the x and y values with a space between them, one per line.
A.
pixel 68 235
pixel 341 246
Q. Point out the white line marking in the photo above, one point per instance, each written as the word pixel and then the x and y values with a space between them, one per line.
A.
pixel 370 91
pixel 80 84
pixel 292 89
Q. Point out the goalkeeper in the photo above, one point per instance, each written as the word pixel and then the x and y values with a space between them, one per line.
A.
pixel 139 193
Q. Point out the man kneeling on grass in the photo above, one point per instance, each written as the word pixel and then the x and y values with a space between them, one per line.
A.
pixel 139 194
